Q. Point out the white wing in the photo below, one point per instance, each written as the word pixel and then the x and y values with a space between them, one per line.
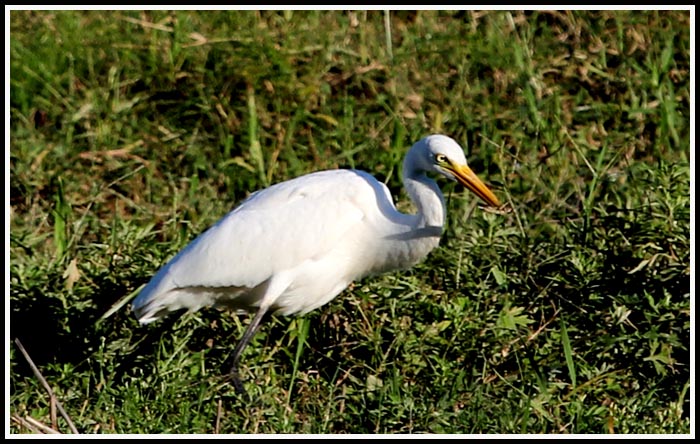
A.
pixel 272 231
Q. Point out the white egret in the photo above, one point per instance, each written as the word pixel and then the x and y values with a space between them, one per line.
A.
pixel 296 245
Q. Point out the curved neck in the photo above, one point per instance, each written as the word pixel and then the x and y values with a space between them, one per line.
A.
pixel 414 235
pixel 408 238
pixel 424 193
pixel 428 199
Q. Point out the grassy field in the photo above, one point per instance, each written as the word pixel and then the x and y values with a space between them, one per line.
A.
pixel 131 132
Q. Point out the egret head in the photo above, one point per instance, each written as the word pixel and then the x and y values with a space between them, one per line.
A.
pixel 443 155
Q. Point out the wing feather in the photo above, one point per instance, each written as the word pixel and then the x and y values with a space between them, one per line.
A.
pixel 273 230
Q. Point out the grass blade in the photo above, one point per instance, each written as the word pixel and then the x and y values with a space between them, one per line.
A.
pixel 568 354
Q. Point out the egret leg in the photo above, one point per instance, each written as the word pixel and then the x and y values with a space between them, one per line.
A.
pixel 238 351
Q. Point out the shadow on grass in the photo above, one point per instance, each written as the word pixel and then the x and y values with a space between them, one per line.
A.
pixel 56 331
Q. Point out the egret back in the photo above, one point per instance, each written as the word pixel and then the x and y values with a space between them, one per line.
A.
pixel 318 229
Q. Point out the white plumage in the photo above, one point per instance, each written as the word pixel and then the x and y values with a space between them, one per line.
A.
pixel 294 246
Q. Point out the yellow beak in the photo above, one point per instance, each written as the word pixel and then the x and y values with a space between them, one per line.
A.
pixel 466 177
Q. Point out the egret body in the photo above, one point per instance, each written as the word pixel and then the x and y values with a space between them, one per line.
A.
pixel 296 245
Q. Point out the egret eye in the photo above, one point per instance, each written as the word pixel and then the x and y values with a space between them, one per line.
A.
pixel 440 158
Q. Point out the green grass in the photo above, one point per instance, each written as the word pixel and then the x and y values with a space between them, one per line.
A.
pixel 132 132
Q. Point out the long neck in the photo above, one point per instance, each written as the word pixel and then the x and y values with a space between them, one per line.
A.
pixel 428 199
pixel 418 233
pixel 424 192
